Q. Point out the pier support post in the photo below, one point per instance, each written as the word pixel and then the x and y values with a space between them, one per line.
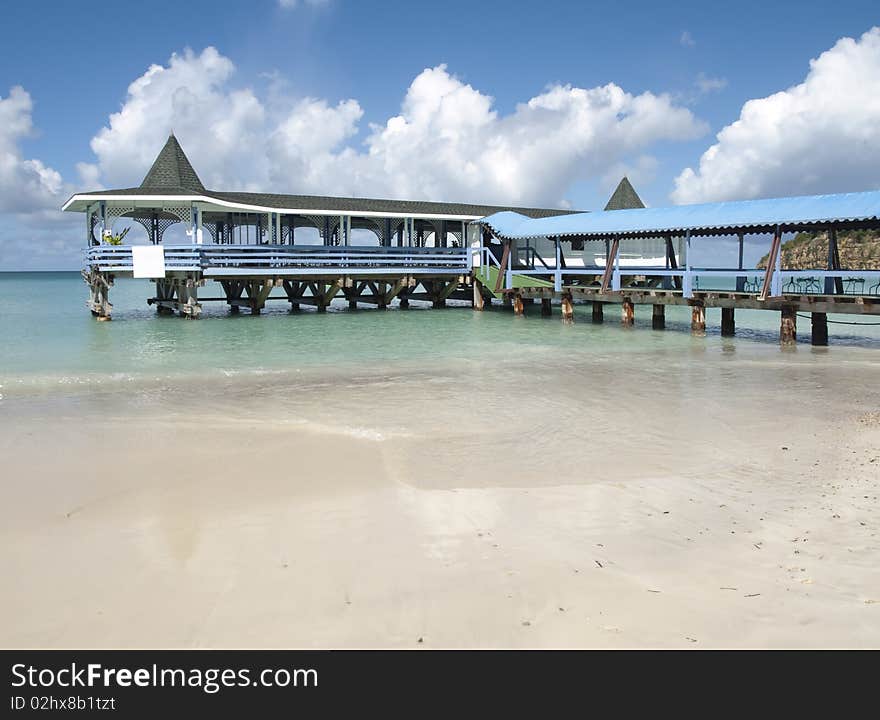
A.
pixel 627 313
pixel 658 317
pixel 598 312
pixel 404 301
pixel 567 308
pixel 233 290
pixel 99 294
pixel 478 295
pixel 788 325
pixel 728 322
pixel 819 335
pixel 546 307
pixel 164 297
pixel 188 299
pixel 506 302
pixel 698 318
pixel 518 307
pixel 257 292
pixel 294 292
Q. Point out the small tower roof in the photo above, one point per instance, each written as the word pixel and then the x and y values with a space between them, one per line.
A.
pixel 624 197
pixel 172 170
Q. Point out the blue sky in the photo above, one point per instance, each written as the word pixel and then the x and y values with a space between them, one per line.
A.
pixel 76 63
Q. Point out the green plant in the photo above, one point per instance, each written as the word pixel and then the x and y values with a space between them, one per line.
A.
pixel 116 239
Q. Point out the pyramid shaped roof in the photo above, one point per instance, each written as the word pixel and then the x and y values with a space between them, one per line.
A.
pixel 624 197
pixel 172 170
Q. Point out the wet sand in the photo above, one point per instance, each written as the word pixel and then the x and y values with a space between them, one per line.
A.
pixel 675 528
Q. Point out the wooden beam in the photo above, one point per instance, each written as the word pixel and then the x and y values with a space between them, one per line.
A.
pixel 819 336
pixel 788 325
pixel 609 265
pixel 479 302
pixel 771 264
pixel 627 313
pixel 728 322
pixel 698 318
pixel 658 317
pixel 502 270
pixel 567 308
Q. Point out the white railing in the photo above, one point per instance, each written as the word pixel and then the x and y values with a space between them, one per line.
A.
pixel 231 260
pixel 783 282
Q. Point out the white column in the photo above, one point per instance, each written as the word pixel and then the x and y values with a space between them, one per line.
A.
pixel 615 276
pixel 89 211
pixel 198 228
pixel 103 217
pixel 557 275
pixel 278 235
pixel 688 282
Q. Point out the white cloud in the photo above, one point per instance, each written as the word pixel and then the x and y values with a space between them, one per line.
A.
pixel 822 135
pixel 446 143
pixel 686 39
pixel 25 185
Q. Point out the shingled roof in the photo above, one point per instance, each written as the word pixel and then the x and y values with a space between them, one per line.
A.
pixel 172 170
pixel 624 197
pixel 173 174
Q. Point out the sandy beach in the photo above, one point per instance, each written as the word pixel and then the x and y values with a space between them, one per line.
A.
pixel 643 527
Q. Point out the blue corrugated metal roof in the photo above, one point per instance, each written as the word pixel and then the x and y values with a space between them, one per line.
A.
pixel 734 216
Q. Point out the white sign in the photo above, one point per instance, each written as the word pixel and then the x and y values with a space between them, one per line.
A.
pixel 148 261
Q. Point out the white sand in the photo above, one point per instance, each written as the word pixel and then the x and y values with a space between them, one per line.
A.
pixel 268 535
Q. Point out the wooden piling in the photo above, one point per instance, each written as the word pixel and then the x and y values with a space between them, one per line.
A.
pixel 518 307
pixel 352 305
pixel 658 317
pixel 546 307
pixel 627 313
pixel 728 322
pixel 698 318
pixel 598 312
pixel 478 295
pixel 788 325
pixel 567 308
pixel 819 335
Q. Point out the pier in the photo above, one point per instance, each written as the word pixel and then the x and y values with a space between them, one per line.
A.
pixel 375 252
pixel 524 258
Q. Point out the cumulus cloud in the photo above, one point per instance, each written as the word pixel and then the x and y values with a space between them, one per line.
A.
pixel 25 185
pixel 447 142
pixel 822 135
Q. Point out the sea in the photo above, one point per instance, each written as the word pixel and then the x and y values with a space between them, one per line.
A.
pixel 52 344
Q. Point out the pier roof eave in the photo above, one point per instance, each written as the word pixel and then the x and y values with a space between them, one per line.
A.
pixel 296 204
pixel 723 218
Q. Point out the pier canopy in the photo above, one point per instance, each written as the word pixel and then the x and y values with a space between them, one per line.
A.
pixel 721 218
pixel 171 192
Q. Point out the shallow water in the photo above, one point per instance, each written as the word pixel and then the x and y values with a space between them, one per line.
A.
pixel 52 344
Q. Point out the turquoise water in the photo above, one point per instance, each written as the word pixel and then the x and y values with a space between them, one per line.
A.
pixel 50 340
